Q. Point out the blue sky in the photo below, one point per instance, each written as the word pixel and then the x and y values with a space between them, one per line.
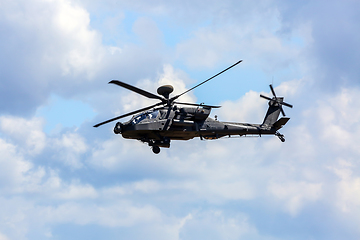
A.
pixel 60 178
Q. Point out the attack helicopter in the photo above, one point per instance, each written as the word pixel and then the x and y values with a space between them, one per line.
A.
pixel 169 119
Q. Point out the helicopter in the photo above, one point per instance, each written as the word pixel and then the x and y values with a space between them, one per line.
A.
pixel 169 119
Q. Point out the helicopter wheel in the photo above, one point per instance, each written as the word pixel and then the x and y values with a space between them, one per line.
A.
pixel 156 149
pixel 280 136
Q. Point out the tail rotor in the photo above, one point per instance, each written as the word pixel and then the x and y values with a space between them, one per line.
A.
pixel 276 101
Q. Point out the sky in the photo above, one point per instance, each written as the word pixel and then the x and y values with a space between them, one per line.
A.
pixel 60 178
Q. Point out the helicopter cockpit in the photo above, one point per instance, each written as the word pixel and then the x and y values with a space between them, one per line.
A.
pixel 146 115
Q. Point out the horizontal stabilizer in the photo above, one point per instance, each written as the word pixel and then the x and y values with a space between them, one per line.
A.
pixel 280 123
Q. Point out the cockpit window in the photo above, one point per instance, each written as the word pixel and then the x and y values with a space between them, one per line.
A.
pixel 146 115
pixel 153 114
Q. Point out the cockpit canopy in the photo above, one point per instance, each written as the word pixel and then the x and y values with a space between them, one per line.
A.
pixel 145 116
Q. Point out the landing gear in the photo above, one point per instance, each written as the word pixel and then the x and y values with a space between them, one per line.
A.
pixel 156 144
pixel 280 136
pixel 156 149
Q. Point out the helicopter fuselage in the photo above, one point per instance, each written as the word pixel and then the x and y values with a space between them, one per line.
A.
pixel 159 126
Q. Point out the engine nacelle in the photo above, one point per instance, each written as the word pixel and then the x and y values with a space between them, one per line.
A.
pixel 195 114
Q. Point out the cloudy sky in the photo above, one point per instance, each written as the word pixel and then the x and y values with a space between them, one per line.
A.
pixel 60 178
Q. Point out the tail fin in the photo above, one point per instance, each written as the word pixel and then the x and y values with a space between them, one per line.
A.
pixel 275 107
pixel 273 112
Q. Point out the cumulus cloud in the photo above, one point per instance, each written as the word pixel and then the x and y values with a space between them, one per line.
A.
pixel 214 225
pixel 334 45
pixel 228 188
pixel 13 166
pixel 49 46
pixel 348 186
pixel 44 41
pixel 205 48
pixel 68 148
pixel 249 108
pixel 337 119
pixel 28 133
pixel 295 194
pixel 167 76
pixel 3 237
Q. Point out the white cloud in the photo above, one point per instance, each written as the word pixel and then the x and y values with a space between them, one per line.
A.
pixel 13 167
pixel 132 101
pixel 28 133
pixel 339 120
pixel 72 23
pixel 114 153
pixel 76 191
pixel 295 194
pixel 111 215
pixel 45 44
pixel 347 186
pixel 206 48
pixel 178 79
pixel 22 218
pixel 63 28
pixel 217 172
pixel 3 237
pixel 255 39
pixel 147 186
pixel 21 176
pixel 249 108
pixel 215 224
pixel 349 194
pixel 69 147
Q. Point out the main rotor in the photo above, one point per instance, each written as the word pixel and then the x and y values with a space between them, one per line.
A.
pixel 164 96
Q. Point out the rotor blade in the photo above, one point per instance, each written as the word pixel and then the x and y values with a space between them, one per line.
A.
pixel 128 114
pixel 283 103
pixel 286 104
pixel 282 111
pixel 135 89
pixel 272 90
pixel 270 99
pixel 205 81
pixel 195 104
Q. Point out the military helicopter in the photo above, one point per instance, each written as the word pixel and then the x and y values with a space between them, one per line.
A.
pixel 168 119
